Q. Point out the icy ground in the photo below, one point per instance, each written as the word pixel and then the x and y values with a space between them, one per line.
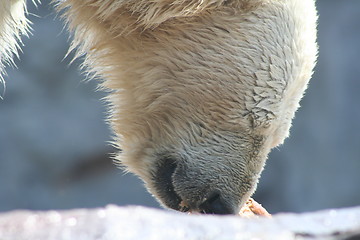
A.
pixel 123 223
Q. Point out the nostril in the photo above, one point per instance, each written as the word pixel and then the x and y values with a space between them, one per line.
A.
pixel 214 204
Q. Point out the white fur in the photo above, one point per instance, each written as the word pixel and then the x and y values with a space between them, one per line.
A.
pixel 13 23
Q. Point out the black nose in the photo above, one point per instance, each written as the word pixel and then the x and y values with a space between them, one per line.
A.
pixel 214 204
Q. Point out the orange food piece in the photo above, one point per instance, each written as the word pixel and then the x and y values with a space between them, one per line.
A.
pixel 252 208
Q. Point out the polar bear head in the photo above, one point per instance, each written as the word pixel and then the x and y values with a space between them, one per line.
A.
pixel 200 90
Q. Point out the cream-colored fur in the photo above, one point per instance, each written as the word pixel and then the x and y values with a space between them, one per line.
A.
pixel 13 23
pixel 206 87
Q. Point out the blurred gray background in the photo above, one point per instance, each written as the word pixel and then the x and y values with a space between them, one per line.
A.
pixel 54 151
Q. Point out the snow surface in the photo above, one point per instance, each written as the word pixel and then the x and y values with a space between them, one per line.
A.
pixel 123 223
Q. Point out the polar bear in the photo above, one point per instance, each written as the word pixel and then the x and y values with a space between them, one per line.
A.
pixel 201 90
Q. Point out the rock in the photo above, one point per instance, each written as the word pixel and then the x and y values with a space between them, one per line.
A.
pixel 113 222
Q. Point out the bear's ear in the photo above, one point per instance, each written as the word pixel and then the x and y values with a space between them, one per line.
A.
pixel 152 13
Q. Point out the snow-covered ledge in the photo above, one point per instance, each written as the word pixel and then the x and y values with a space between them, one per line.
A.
pixel 123 223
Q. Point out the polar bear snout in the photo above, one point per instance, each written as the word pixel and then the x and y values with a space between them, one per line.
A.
pixel 185 190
